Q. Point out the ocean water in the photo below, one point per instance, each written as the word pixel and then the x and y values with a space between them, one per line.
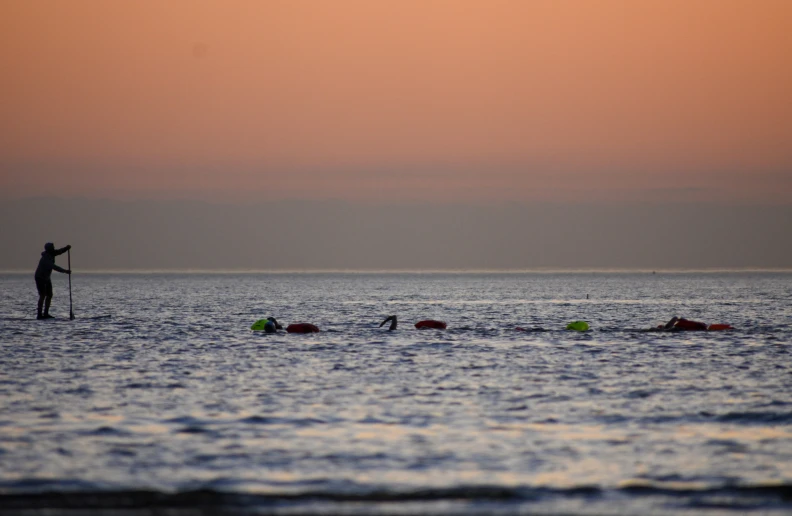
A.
pixel 159 397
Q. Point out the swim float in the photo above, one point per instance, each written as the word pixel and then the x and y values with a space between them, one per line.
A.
pixel 431 323
pixel 301 328
pixel 578 326
pixel 269 325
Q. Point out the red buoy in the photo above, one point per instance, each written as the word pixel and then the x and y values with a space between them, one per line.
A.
pixel 430 323
pixel 720 327
pixel 303 327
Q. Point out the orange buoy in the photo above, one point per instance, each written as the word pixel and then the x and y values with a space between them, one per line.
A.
pixel 303 327
pixel 430 323
pixel 719 327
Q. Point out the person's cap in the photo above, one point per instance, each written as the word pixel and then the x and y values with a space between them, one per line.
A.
pixel 49 246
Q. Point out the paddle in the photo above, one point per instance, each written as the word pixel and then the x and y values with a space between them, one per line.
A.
pixel 71 311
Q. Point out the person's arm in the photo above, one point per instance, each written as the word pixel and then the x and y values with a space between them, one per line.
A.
pixel 392 319
pixel 61 251
pixel 59 269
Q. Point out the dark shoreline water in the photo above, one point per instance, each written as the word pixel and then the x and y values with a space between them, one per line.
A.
pixel 158 399
pixel 461 500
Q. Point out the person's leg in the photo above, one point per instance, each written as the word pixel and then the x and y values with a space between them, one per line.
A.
pixel 41 288
pixel 48 300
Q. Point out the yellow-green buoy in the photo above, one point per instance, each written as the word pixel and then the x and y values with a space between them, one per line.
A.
pixel 259 325
pixel 578 326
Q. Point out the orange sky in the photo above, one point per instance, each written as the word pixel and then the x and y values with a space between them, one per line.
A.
pixel 397 99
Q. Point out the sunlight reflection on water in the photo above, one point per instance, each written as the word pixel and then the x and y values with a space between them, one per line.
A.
pixel 174 392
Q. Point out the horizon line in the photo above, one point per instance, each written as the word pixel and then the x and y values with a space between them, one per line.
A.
pixel 461 271
pixel 342 200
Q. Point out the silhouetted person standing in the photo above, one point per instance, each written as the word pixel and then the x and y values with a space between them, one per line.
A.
pixel 43 281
